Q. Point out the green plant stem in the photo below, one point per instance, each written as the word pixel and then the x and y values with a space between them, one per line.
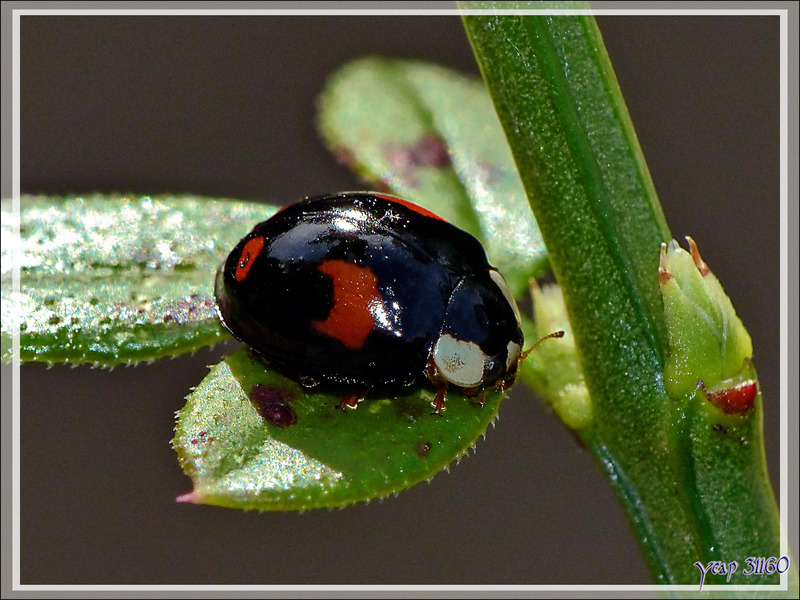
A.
pixel 587 182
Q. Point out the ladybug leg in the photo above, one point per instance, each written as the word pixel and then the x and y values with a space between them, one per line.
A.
pixel 506 382
pixel 477 395
pixel 351 400
pixel 441 387
pixel 438 402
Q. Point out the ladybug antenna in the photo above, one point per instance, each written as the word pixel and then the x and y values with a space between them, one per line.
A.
pixel 557 334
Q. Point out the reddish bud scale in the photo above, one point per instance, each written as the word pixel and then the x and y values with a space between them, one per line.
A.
pixel 738 399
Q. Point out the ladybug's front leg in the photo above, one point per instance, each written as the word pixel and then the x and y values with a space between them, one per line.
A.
pixel 351 400
pixel 441 396
pixel 432 373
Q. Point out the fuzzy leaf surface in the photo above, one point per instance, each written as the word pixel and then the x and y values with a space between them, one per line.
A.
pixel 116 279
pixel 250 438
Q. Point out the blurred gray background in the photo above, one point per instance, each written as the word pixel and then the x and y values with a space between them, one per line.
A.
pixel 225 106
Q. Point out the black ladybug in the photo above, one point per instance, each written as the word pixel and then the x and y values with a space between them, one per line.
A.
pixel 365 290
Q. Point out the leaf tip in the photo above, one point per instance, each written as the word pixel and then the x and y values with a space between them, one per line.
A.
pixel 192 497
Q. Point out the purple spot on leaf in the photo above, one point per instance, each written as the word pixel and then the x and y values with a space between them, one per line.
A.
pixel 423 448
pixel 429 151
pixel 273 405
pixel 201 438
pixel 344 157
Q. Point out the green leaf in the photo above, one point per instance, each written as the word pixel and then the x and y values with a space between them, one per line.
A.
pixel 116 279
pixel 430 135
pixel 553 369
pixel 251 438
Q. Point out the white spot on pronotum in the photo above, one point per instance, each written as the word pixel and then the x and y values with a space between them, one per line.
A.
pixel 514 350
pixel 501 283
pixel 460 363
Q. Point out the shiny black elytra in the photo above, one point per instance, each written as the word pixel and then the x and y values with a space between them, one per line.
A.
pixel 365 290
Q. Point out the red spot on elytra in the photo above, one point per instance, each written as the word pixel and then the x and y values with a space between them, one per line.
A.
pixel 355 298
pixel 737 399
pixel 411 206
pixel 249 253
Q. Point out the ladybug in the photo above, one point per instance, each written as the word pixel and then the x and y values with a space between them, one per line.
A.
pixel 365 290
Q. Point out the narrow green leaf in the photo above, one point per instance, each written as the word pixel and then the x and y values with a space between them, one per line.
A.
pixel 682 469
pixel 116 279
pixel 567 126
pixel 574 145
pixel 251 438
pixel 430 135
